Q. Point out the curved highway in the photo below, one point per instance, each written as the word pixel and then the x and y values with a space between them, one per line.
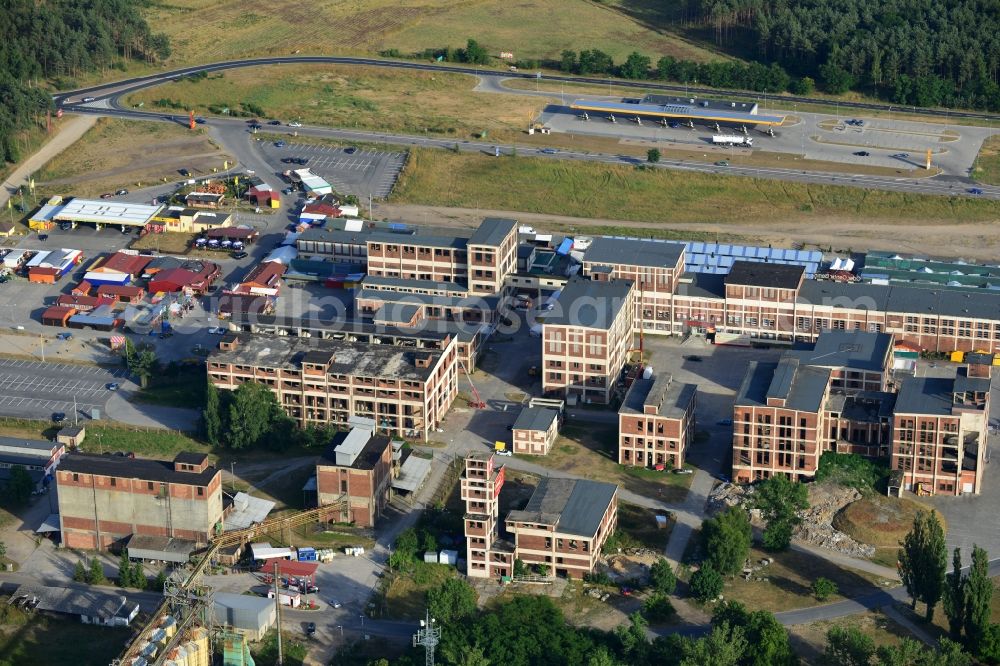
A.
pixel 146 81
pixel 105 100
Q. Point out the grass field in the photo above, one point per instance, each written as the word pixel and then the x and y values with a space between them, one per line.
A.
pixel 364 97
pixel 788 580
pixel 210 30
pixel 406 593
pixel 437 177
pixel 809 640
pixel 986 168
pixel 44 640
pixel 185 389
pixel 590 452
pixel 124 153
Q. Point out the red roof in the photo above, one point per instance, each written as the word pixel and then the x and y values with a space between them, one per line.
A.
pixel 290 568
pixel 43 270
pixel 175 279
pixel 322 208
pixel 231 233
pixel 83 301
pixel 120 262
pixel 57 312
pixel 265 274
pixel 128 291
pixel 84 287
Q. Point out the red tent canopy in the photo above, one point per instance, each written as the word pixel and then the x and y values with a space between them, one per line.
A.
pixel 296 569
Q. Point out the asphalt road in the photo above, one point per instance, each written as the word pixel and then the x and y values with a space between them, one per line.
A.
pixel 137 83
pixel 230 129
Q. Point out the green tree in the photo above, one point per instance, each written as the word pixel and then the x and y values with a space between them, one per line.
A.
pixel 159 581
pixel 125 571
pixel 780 500
pixel 519 568
pixel 989 644
pixel 836 79
pixel 451 601
pixel 726 540
pixel 707 583
pixel 632 638
pixel 542 569
pixel 657 608
pixel 143 365
pixel 3 550
pixel 954 597
pixel 653 155
pixel 95 575
pixel 252 409
pixel 923 561
pixel 567 62
pixel 908 653
pixel 847 646
pixel 80 572
pixel 601 657
pixel 823 588
pixel 724 646
pixel 662 577
pixel 978 600
pixel 804 86
pixel 211 417
pixel 475 54
pixel 19 485
pixel 404 552
pixel 636 66
pixel 762 630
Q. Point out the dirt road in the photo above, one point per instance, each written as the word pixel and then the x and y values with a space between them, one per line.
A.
pixel 973 241
pixel 70 130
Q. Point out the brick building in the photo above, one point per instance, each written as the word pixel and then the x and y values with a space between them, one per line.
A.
pixel 830 397
pixel 656 422
pixel 487 556
pixel 586 339
pixel 564 525
pixel 357 467
pixel 939 432
pixel 535 430
pixel 406 391
pixel 104 500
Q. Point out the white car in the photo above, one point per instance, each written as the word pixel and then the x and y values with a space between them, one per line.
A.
pixel 505 453
pixel 295 124
pixel 217 330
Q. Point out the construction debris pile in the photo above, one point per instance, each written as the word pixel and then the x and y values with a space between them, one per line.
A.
pixel 825 500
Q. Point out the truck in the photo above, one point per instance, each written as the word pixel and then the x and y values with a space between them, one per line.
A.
pixel 732 140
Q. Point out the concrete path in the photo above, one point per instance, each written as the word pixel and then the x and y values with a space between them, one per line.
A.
pixel 70 129
pixel 120 409
pixel 693 508
pixel 899 618
pixel 847 561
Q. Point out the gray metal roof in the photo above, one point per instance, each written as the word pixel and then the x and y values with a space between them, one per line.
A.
pixel 857 350
pixel 144 547
pixel 574 506
pixel 397 313
pixel 535 418
pixel 488 303
pixel 90 602
pixel 967 303
pixel 652 253
pixel 348 358
pixel 802 387
pixel 702 285
pixel 246 511
pixel 670 398
pixel 492 231
pixel 926 395
pixel 589 303
pixel 862 407
pixel 134 468
pixel 412 473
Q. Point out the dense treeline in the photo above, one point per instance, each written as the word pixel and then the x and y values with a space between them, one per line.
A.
pixel 52 39
pixel 920 52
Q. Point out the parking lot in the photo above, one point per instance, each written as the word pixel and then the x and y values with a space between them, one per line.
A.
pixel 38 390
pixel 361 172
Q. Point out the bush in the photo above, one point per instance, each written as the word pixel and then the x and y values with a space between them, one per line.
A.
pixel 662 577
pixel 706 583
pixel 823 588
pixel 657 608
pixel 852 470
pixel 594 578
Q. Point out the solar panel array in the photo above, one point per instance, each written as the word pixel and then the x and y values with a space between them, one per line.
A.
pixel 718 258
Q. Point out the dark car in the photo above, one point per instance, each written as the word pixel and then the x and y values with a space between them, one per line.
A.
pixel 274 122
pixel 302 160
pixel 693 358
pixel 351 150
pixel 43 237
pixel 975 190
pixel 239 255
pixel 311 628
pixel 185 172
pixel 279 144
pixel 58 417
pixel 862 153
pixel 200 120
pixel 121 192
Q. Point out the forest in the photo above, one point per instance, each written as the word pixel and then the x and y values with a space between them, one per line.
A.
pixel 910 52
pixel 50 42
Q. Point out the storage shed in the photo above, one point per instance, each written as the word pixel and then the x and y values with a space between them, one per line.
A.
pixel 249 615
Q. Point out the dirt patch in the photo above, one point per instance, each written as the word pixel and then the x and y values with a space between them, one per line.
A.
pixel 879 521
pixel 629 567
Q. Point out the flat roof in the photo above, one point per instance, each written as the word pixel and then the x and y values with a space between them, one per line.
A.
pixel 936 395
pixel 134 468
pixel 465 301
pixel 366 447
pixel 858 350
pixel 346 358
pixel 247 510
pixel 396 283
pixel 492 231
pixel 397 313
pixel 145 547
pixel 773 276
pixel 670 398
pixel 574 506
pixel 102 211
pixel 802 387
pixel 909 299
pixel 535 418
pixel 634 252
pixel 862 407
pixel 91 602
pixel 589 303
pixel 412 473
pixel 27 447
pixel 675 111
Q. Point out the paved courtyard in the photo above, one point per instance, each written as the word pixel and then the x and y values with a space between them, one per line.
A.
pixel 361 172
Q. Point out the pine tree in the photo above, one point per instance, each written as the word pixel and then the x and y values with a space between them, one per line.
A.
pixel 159 581
pixel 95 576
pixel 954 597
pixel 978 595
pixel 80 572
pixel 212 415
pixel 125 570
